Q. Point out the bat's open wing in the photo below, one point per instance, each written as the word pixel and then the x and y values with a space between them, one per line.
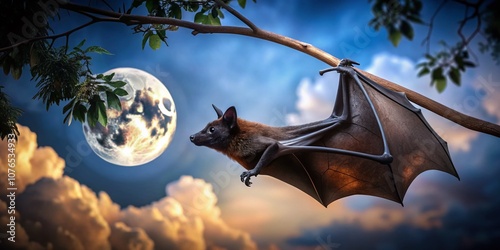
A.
pixel 329 167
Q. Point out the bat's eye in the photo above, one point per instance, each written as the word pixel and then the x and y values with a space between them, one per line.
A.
pixel 211 129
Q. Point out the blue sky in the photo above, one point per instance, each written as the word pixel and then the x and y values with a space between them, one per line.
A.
pixel 276 85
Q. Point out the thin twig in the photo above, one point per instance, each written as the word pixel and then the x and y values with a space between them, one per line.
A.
pixel 463 22
pixel 238 15
pixel 53 37
pixel 427 39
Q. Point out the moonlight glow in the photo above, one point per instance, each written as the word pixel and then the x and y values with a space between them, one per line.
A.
pixel 145 126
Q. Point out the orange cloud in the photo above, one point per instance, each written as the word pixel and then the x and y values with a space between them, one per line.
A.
pixel 32 162
pixel 56 211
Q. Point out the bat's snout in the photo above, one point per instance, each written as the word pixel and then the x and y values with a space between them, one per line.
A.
pixel 195 139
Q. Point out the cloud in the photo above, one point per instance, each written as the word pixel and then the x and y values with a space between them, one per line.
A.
pixel 31 162
pixel 55 211
pixel 124 237
pixel 315 99
pixel 198 199
pixel 488 89
pixel 63 213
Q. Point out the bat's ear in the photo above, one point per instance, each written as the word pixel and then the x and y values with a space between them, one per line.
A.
pixel 230 118
pixel 218 111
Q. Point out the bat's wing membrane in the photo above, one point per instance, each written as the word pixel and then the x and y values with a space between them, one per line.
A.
pixel 337 162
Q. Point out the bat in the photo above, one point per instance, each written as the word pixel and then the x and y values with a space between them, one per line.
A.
pixel 375 143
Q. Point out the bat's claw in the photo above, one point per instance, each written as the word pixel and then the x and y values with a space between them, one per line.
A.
pixel 343 66
pixel 245 177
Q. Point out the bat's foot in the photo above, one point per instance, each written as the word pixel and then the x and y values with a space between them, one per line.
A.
pixel 343 67
pixel 346 62
pixel 245 176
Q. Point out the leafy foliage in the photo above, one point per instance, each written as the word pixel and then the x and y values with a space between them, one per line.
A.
pixel 56 73
pixel 449 63
pixel 90 101
pixel 492 31
pixel 396 17
pixel 58 76
pixel 17 27
pixel 206 12
pixel 8 116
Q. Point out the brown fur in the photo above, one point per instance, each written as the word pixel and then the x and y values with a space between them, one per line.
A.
pixel 250 141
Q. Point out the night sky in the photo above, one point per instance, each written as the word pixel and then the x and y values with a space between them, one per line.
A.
pixel 191 197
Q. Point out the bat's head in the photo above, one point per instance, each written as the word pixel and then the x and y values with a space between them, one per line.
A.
pixel 218 133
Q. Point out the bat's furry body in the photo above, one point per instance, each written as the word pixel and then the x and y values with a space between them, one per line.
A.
pixel 374 143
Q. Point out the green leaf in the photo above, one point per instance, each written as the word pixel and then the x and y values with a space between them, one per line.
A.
pixel 16 72
pixel 242 3
pixel 99 76
pixel 437 73
pixel 162 34
pixel 394 36
pixel 102 117
pixel 113 101
pixel 103 88
pixel 460 62
pixel 213 21
pixel 98 50
pixel 214 12
pixel 79 112
pixel 92 115
pixel 221 14
pixel 175 11
pixel 107 78
pixel 150 5
pixel 117 84
pixel 120 92
pixel 406 29
pixel 146 37
pixel 34 59
pixel 69 105
pixel 432 60
pixel 429 56
pixel 438 79
pixel 200 18
pixel 455 76
pixel 154 42
pixel 421 64
pixel 192 7
pixel 69 117
pixel 423 71
pixel 80 44
pixel 6 65
pixel 440 84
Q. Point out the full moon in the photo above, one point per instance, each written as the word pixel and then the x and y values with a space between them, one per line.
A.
pixel 145 126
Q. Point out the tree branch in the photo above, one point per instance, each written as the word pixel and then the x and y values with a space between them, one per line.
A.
pixel 238 15
pixel 441 110
pixel 427 39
